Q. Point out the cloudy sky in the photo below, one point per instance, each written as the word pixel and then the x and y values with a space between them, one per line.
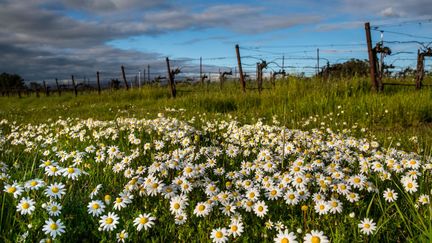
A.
pixel 47 39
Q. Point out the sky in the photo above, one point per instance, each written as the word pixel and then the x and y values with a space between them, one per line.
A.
pixel 48 39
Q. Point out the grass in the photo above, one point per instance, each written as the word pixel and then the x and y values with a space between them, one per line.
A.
pixel 394 116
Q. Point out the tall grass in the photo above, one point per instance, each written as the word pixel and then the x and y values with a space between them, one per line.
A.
pixel 394 116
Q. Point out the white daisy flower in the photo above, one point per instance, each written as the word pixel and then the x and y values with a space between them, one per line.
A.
pixel 34 184
pixel 367 226
pixel 260 209
pixel 109 222
pixel 71 173
pixel 54 209
pixel 202 209
pixel 122 236
pixel 410 185
pixel 235 229
pixel 315 236
pixel 335 206
pixel 285 237
pixel 390 195
pixel 144 221
pixel 219 235
pixel 321 207
pixel 96 207
pixel 53 228
pixel 424 199
pixel 55 190
pixel 14 189
pixel 180 218
pixel 26 206
pixel 177 204
pixel 53 170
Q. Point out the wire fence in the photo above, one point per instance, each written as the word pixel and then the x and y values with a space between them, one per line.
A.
pixel 293 59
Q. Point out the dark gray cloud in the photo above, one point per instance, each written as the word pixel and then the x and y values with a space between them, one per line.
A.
pixel 237 18
pixel 46 39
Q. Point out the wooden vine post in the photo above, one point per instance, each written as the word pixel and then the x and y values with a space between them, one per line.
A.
pixel 124 77
pixel 74 86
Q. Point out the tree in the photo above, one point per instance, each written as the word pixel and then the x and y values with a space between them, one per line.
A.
pixel 9 82
pixel 350 68
pixel 115 84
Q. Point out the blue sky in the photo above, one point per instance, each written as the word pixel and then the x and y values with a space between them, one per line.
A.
pixel 47 39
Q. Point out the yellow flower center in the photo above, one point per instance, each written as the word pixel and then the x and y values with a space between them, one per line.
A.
pixel 25 205
pixel 155 185
pixel 291 196
pixel 53 169
pixel 296 169
pixel 251 195
pixel 176 205
pixel 284 240
pixel 70 170
pixel 108 221
pixel 55 189
pixel 322 207
pixel 260 208
pixel 219 235
pixel 143 220
pixel 356 180
pixel 249 203
pixel 273 192
pixel 47 163
pixel 107 198
pixel 33 183
pixel 334 204
pixel 315 239
pixel 119 200
pixel 54 226
pixel 234 228
pixel 188 170
pixel 299 180
pixel 54 208
pixel 95 206
pixel 410 185
pixel 201 207
pixel 169 189
pixel 11 189
pixel 367 226
pixel 343 187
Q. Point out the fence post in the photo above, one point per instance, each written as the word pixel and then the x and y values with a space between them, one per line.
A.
pixel 37 90
pixel 242 81
pixel 148 73
pixel 171 79
pixel 202 80
pixel 372 57
pixel 98 82
pixel 74 86
pixel 124 77
pixel 46 88
pixel 58 88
